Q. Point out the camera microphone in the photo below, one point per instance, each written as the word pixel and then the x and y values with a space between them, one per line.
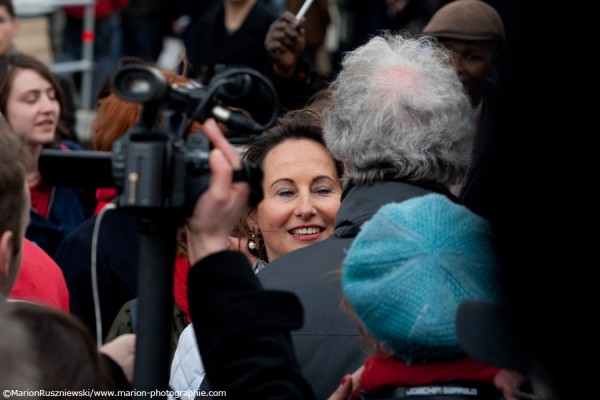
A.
pixel 236 119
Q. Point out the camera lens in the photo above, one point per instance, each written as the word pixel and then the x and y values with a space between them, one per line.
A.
pixel 139 84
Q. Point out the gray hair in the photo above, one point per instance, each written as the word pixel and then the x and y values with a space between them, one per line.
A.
pixel 398 110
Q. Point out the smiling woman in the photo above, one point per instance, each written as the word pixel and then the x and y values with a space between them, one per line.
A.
pixel 301 187
pixel 32 102
pixel 302 194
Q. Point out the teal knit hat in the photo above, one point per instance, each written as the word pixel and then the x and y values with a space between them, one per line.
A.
pixel 409 269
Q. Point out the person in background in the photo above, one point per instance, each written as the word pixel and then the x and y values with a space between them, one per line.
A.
pixel 248 34
pixel 145 24
pixel 399 120
pixel 106 38
pixel 234 33
pixel 18 369
pixel 317 21
pixel 66 354
pixel 38 278
pixel 32 102
pixel 410 15
pixel 14 205
pixel 14 216
pixel 118 237
pixel 474 32
pixel 10 26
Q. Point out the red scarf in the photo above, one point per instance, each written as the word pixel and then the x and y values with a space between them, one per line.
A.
pixel 381 371
pixel 180 284
pixel 103 197
pixel 40 198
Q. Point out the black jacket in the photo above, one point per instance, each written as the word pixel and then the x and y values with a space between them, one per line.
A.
pixel 243 331
pixel 211 49
pixel 117 267
pixel 481 191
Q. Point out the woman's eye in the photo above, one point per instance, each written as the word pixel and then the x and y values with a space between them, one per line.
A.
pixel 30 99
pixel 284 192
pixel 323 190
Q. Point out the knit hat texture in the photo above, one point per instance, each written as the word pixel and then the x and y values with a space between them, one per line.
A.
pixel 409 269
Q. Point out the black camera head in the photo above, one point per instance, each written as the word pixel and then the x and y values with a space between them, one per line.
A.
pixel 138 84
pixel 157 165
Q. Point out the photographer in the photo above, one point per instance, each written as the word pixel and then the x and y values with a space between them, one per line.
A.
pixel 245 335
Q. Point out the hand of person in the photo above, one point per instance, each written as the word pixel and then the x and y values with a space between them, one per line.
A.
pixel 285 42
pixel 344 391
pixel 220 207
pixel 349 388
pixel 122 350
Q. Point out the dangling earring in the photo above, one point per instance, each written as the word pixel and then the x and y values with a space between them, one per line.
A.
pixel 251 242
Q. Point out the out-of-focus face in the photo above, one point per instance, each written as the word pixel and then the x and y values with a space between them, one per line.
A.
pixel 474 62
pixel 9 27
pixel 32 109
pixel 301 197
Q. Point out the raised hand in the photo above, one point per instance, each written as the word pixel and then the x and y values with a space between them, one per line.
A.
pixel 285 42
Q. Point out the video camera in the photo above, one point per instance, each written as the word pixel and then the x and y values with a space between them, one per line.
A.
pixel 158 164
pixel 160 169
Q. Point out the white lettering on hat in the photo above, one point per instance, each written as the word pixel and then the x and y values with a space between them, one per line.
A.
pixel 424 391
pixel 459 390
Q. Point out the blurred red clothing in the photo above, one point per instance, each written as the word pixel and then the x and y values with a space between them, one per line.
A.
pixel 40 279
pixel 103 9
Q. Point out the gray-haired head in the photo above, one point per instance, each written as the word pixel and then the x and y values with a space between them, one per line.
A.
pixel 398 110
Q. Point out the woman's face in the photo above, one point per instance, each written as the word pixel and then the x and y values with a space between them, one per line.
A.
pixel 301 197
pixel 32 109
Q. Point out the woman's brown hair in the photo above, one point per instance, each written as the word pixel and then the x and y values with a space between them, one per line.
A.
pixel 116 116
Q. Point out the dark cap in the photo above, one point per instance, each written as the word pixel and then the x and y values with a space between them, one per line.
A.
pixel 466 20
pixel 487 333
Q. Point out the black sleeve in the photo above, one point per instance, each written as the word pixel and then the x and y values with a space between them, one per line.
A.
pixel 117 378
pixel 243 330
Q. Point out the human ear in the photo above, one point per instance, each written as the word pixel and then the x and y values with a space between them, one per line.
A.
pixel 16 26
pixel 252 221
pixel 6 244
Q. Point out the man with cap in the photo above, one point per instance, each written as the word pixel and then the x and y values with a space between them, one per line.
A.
pixel 474 32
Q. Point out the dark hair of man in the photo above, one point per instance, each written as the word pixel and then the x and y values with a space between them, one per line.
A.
pixel 66 353
pixel 8 4
pixel 13 159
